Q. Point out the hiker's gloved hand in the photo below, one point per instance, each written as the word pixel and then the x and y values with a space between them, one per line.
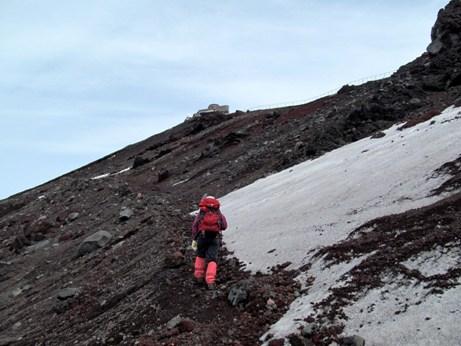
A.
pixel 194 245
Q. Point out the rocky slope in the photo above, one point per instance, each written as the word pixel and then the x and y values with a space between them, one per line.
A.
pixel 127 288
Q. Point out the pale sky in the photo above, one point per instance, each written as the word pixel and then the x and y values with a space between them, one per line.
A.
pixel 84 78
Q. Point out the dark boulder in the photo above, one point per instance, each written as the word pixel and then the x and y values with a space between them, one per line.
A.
pixel 210 150
pixel 299 340
pixel 232 138
pixel 94 242
pixel 139 161
pixel 446 31
pixel 163 175
pixel 19 242
pixel 345 89
pixel 239 293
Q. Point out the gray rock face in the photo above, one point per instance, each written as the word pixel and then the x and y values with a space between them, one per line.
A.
pixel 435 47
pixel 445 32
pixel 94 242
pixel 125 214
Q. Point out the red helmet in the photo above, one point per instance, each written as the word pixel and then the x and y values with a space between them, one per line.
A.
pixel 209 202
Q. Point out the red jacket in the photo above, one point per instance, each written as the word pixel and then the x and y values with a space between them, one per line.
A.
pixel 197 224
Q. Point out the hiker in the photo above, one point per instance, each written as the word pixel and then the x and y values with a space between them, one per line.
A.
pixel 206 235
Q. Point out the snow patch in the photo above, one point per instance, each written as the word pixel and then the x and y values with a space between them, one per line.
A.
pixel 180 182
pixel 123 170
pixel 405 315
pixel 105 175
pixel 102 176
pixel 437 261
pixel 303 306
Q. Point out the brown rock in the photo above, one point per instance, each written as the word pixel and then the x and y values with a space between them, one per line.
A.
pixel 65 237
pixel 277 342
pixel 175 260
pixel 163 175
pixel 146 341
pixel 186 325
pixel 42 225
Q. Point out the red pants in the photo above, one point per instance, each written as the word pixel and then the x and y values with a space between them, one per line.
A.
pixel 204 270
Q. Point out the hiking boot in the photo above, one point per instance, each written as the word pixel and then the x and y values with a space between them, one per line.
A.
pixel 212 286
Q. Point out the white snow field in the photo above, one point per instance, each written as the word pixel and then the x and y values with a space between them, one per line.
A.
pixel 319 202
